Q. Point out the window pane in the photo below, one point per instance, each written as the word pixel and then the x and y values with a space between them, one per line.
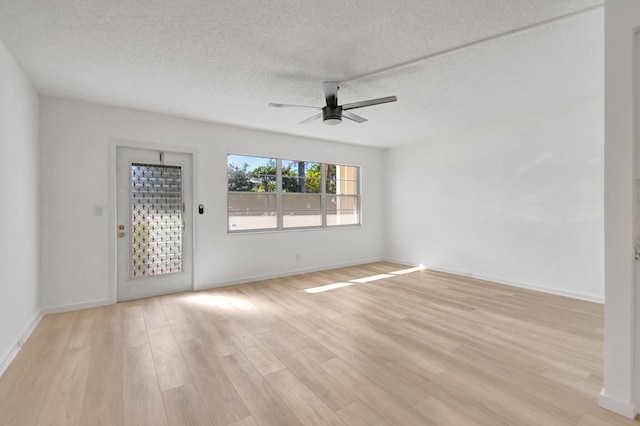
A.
pixel 313 185
pixel 341 179
pixel 342 217
pixel 252 211
pixel 300 202
pixel 342 202
pixel 342 210
pixel 291 183
pixel 252 202
pixel 251 174
pixel 301 177
pixel 294 219
pixel 347 187
pixel 239 181
pixel 300 210
pixel 263 182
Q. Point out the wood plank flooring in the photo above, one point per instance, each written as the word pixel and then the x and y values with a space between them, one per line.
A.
pixel 390 348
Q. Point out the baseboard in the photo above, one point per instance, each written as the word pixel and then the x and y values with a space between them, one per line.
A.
pixel 399 261
pixel 627 409
pixel 21 338
pixel 549 290
pixel 285 274
pixel 76 306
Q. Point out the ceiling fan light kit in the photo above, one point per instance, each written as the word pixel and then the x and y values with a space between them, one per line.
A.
pixel 332 114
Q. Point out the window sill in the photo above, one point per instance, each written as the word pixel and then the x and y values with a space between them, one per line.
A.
pixel 279 231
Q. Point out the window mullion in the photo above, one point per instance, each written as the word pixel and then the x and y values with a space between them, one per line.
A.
pixel 279 193
pixel 323 194
pixel 359 190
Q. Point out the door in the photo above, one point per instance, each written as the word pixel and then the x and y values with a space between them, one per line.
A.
pixel 154 223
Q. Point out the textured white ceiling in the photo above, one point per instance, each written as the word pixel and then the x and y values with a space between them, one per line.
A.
pixel 224 60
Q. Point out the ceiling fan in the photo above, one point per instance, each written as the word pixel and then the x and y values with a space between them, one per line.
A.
pixel 333 113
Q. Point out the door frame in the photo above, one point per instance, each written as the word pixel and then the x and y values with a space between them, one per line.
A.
pixel 114 144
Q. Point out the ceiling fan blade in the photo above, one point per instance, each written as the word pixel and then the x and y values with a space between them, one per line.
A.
pixel 370 102
pixel 312 118
pixel 353 117
pixel 331 92
pixel 293 106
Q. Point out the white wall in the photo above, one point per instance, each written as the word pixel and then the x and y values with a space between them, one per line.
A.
pixel 622 300
pixel 75 148
pixel 19 215
pixel 518 201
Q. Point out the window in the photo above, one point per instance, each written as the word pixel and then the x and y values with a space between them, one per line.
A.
pixel 269 193
pixel 342 195
pixel 302 195
pixel 252 200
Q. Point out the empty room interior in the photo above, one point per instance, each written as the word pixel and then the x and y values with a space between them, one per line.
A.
pixel 295 213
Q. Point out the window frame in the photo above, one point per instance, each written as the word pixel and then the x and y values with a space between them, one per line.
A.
pixel 280 198
pixel 266 193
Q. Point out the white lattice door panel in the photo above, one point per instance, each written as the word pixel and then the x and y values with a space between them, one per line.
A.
pixel 154 226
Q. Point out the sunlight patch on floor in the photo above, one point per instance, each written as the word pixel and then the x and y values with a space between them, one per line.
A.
pixel 220 301
pixel 408 270
pixel 372 278
pixel 334 286
pixel 327 287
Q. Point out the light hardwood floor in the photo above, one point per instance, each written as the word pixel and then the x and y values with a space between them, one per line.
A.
pixel 419 348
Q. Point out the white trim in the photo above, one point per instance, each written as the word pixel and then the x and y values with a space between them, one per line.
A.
pixel 76 306
pixel 19 342
pixel 298 229
pixel 549 290
pixel 624 408
pixel 285 274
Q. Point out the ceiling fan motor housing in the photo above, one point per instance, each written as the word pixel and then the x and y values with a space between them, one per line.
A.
pixel 332 115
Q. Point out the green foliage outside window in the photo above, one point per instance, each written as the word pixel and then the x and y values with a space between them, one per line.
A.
pixel 263 178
